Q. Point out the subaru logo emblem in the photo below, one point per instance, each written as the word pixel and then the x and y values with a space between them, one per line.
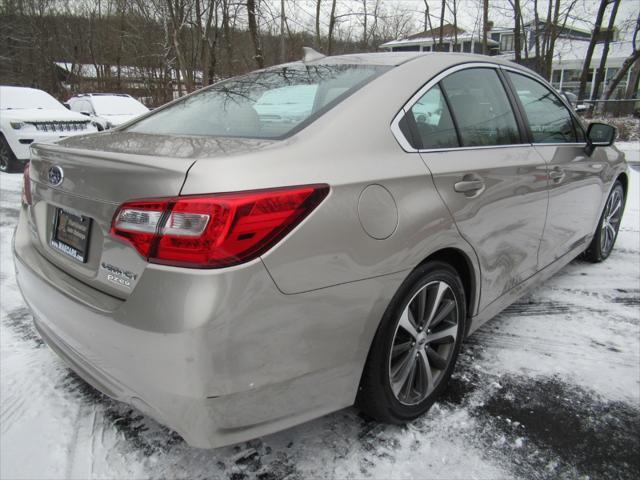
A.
pixel 56 175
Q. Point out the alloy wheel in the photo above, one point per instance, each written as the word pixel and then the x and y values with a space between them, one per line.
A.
pixel 423 343
pixel 611 221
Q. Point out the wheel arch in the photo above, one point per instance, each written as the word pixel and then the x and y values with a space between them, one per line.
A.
pixel 461 263
pixel 624 180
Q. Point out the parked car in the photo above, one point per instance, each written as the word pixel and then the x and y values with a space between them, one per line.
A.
pixel 232 276
pixel 107 110
pixel 572 99
pixel 29 115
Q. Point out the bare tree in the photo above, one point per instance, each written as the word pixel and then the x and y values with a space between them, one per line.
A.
pixel 584 76
pixel 442 7
pixel 631 60
pixel 332 25
pixel 453 8
pixel 253 32
pixel 485 27
pixel 318 3
pixel 517 29
pixel 600 72
pixel 179 11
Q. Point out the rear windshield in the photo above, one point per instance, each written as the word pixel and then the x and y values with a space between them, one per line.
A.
pixel 266 104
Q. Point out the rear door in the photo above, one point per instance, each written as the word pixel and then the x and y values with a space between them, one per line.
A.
pixel 575 185
pixel 493 183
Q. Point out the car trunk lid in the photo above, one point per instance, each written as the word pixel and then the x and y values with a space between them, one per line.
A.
pixel 77 185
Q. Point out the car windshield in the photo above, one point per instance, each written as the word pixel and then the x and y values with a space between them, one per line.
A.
pixel 13 98
pixel 117 105
pixel 265 104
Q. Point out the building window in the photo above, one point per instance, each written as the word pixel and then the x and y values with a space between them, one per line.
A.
pixel 426 49
pixel 406 48
pixel 456 47
pixel 556 76
pixel 466 47
pixel 506 42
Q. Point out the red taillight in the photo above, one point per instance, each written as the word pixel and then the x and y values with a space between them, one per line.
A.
pixel 26 185
pixel 213 231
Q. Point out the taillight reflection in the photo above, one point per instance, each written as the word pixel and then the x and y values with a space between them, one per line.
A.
pixel 26 185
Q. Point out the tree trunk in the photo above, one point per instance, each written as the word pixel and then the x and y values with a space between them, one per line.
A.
pixel 551 42
pixel 517 30
pixel 455 24
pixel 177 16
pixel 253 31
pixel 332 24
pixel 485 27
pixel 536 31
pixel 626 65
pixel 584 76
pixel 440 43
pixel 600 73
pixel 632 88
pixel 318 2
pixel 227 37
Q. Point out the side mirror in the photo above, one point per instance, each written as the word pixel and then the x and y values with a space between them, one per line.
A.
pixel 599 135
pixel 85 113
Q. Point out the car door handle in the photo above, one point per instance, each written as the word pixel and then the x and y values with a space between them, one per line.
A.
pixel 467 186
pixel 556 174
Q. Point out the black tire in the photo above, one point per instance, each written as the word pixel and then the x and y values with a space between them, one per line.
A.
pixel 8 161
pixel 606 234
pixel 376 396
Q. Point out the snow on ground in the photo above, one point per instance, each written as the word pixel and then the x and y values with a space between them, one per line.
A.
pixel 631 151
pixel 548 389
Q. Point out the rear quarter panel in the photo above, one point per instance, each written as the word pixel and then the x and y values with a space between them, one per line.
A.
pixel 349 148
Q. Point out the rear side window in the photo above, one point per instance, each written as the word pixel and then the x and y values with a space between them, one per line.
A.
pixel 435 128
pixel 266 104
pixel 549 119
pixel 481 108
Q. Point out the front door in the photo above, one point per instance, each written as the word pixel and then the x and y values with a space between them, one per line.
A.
pixel 576 188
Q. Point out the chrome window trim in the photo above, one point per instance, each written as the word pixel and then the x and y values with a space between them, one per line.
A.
pixel 395 123
pixel 560 144
pixel 474 147
pixel 406 145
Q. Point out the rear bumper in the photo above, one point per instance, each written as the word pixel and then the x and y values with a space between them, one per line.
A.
pixel 219 356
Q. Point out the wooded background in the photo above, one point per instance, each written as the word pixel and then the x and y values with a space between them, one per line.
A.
pixel 153 48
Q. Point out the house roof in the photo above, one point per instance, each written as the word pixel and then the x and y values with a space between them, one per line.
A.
pixel 448 30
pixel 429 40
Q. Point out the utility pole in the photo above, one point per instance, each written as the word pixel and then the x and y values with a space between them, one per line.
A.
pixel 282 46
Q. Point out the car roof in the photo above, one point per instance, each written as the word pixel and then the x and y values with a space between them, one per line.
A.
pixel 14 87
pixel 80 95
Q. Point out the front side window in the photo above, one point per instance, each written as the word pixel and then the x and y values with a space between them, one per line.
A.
pixel 433 121
pixel 481 108
pixel 549 119
pixel 81 106
pixel 265 104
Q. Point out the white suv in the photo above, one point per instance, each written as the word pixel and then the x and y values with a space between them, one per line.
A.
pixel 28 115
pixel 107 110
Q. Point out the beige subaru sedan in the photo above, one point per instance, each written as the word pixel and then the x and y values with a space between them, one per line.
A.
pixel 310 236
